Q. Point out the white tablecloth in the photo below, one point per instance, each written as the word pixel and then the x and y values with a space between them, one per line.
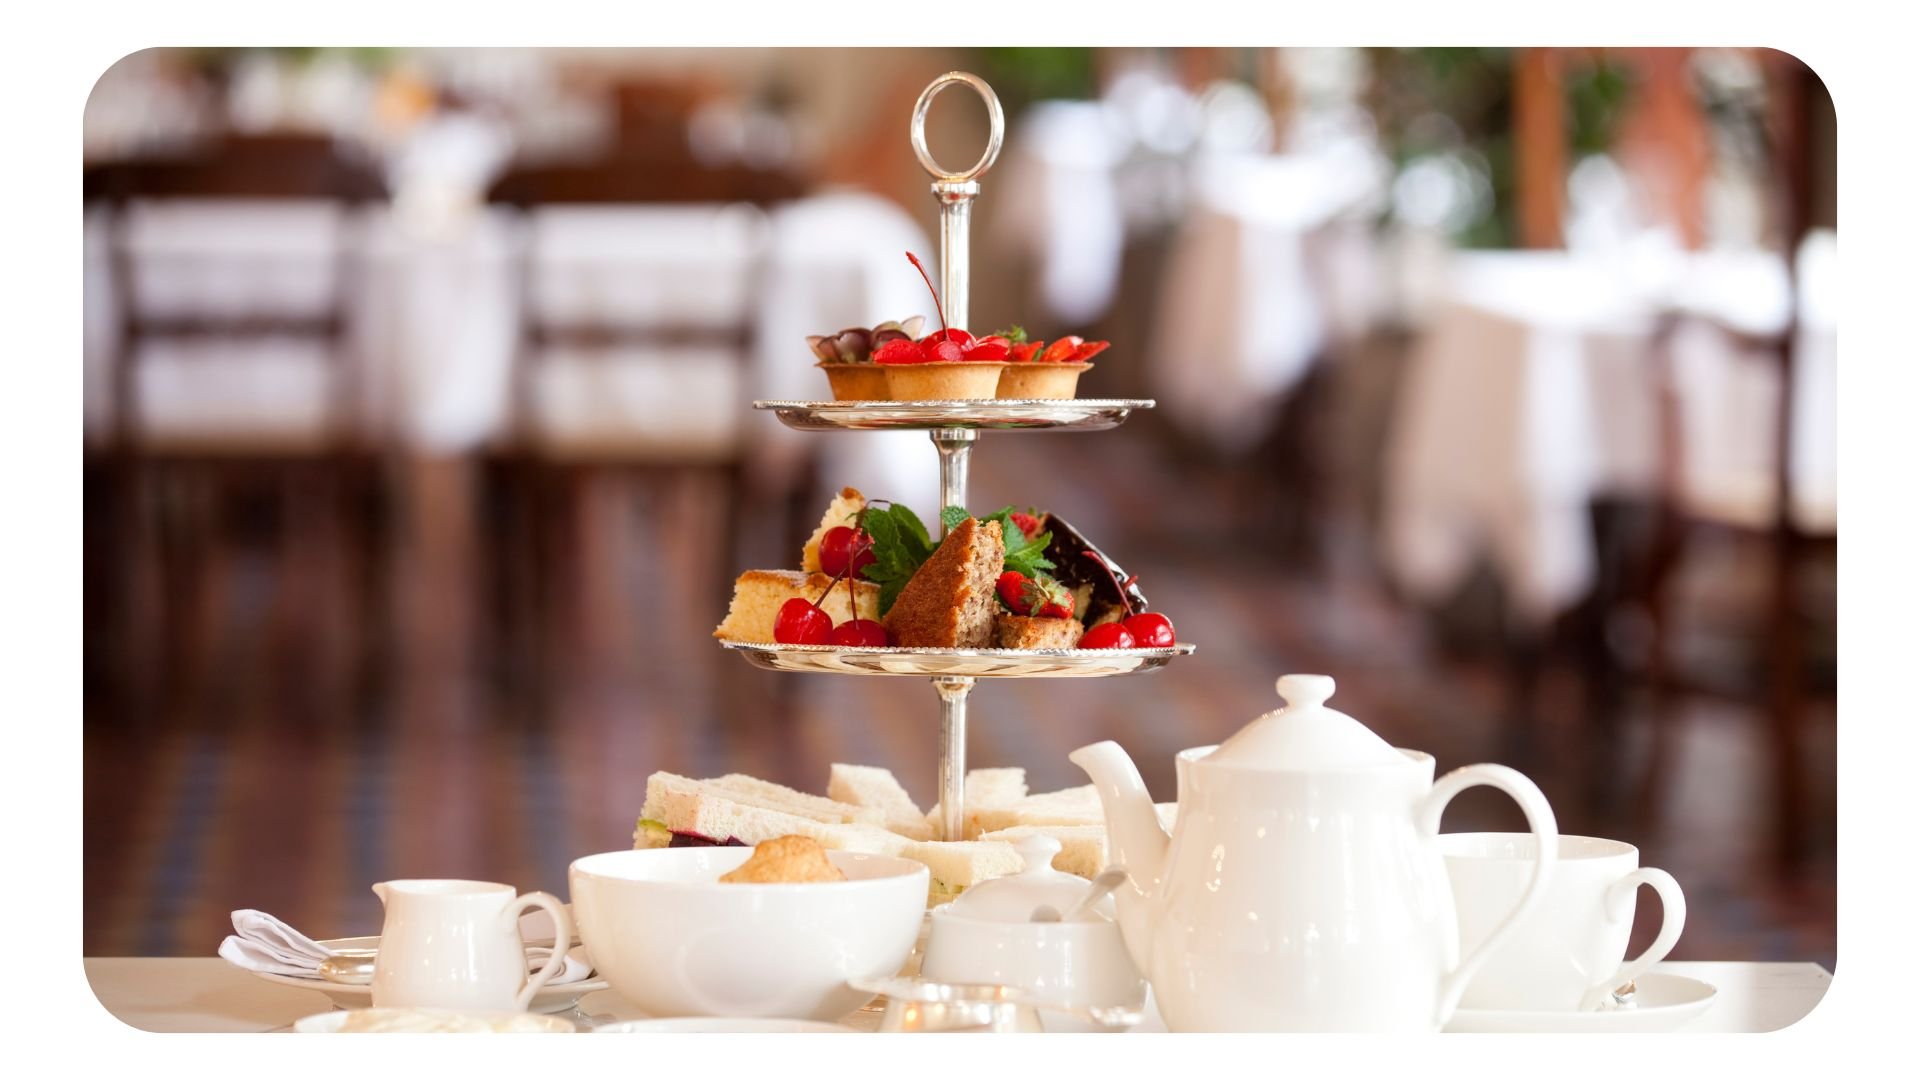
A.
pixel 206 994
pixel 1530 392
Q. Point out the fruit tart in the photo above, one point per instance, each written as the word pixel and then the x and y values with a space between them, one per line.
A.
pixel 1042 370
pixel 847 358
pixel 948 365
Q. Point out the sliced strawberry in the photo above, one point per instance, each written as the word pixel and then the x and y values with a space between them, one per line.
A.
pixel 900 351
pixel 1024 351
pixel 988 350
pixel 945 352
pixel 1012 587
pixel 1029 524
pixel 1061 351
pixel 1090 350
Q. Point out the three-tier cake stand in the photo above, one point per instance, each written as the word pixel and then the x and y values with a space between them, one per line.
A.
pixel 954 427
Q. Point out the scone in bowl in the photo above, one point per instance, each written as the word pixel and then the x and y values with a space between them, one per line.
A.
pixel 965 380
pixel 1041 380
pixel 856 382
pixel 673 939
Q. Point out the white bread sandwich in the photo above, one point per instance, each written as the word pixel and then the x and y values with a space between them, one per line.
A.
pixel 1083 848
pixel 987 788
pixel 1072 806
pixel 757 792
pixel 953 866
pixel 681 812
pixel 875 788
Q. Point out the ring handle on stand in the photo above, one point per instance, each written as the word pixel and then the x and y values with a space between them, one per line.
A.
pixel 996 127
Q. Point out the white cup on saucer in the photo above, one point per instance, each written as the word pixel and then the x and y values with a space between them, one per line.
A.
pixel 1569 953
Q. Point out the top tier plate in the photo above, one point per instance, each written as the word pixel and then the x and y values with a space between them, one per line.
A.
pixel 997 414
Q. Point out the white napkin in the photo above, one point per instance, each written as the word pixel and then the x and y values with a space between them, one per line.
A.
pixel 261 942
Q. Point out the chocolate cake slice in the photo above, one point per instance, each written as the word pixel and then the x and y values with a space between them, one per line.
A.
pixel 949 602
pixel 1109 591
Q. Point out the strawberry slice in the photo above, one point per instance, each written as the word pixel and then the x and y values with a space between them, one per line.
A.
pixel 1090 350
pixel 1061 351
pixel 988 350
pixel 1029 525
pixel 900 351
pixel 1023 352
pixel 1012 587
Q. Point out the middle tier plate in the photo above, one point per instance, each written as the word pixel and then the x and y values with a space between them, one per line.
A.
pixel 974 663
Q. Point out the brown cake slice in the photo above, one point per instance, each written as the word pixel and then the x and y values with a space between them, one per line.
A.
pixel 1024 632
pixel 949 603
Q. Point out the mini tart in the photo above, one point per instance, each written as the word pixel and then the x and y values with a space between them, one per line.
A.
pixel 1040 380
pixel 856 382
pixel 944 380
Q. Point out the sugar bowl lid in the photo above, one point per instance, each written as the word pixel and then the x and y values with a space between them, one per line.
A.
pixel 1013 898
pixel 1305 735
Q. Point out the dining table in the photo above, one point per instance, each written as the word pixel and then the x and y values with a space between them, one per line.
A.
pixel 206 994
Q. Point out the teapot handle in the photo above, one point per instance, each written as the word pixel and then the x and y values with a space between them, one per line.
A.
pixel 1546 833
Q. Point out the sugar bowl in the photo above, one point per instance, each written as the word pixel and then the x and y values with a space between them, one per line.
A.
pixel 989 937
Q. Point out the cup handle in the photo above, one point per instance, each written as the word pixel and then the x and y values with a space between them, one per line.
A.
pixel 1546 832
pixel 1619 905
pixel 562 934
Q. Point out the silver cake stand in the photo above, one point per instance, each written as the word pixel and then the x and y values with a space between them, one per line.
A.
pixel 954 427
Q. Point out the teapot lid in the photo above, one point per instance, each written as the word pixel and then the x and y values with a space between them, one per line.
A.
pixel 1306 735
pixel 1012 898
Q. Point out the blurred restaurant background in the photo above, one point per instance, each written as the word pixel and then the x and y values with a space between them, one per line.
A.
pixel 1498 384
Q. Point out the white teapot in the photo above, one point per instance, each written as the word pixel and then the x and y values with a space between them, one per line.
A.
pixel 1302 889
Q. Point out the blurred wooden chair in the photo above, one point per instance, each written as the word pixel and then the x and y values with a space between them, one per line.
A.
pixel 233 385
pixel 633 371
pixel 1790 528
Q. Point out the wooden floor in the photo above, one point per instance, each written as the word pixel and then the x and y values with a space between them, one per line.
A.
pixel 257 776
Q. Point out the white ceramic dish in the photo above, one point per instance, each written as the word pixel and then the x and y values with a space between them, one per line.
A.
pixel 723 1024
pixel 548 999
pixel 330 1023
pixel 1662 1003
pixel 675 941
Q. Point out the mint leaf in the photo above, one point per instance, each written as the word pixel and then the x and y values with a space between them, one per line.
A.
pixel 900 545
pixel 1030 556
pixel 952 516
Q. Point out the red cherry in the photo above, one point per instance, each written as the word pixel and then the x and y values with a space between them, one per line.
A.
pixel 1150 629
pixel 900 351
pixel 944 352
pixel 1090 350
pixel 801 622
pixel 842 545
pixel 859 633
pixel 988 350
pixel 1109 635
pixel 952 333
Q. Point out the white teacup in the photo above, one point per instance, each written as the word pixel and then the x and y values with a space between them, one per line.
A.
pixel 1568 954
pixel 456 945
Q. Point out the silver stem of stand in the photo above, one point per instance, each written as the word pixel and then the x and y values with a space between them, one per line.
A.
pixel 953 691
pixel 955 192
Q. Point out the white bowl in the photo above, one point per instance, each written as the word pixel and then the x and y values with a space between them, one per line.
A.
pixel 1065 963
pixel 670 937
pixel 328 1023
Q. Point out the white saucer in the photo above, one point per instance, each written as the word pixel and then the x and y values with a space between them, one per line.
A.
pixel 1661 1003
pixel 722 1024
pixel 547 999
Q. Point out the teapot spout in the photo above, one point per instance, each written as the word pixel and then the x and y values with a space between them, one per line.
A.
pixel 380 890
pixel 1135 839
